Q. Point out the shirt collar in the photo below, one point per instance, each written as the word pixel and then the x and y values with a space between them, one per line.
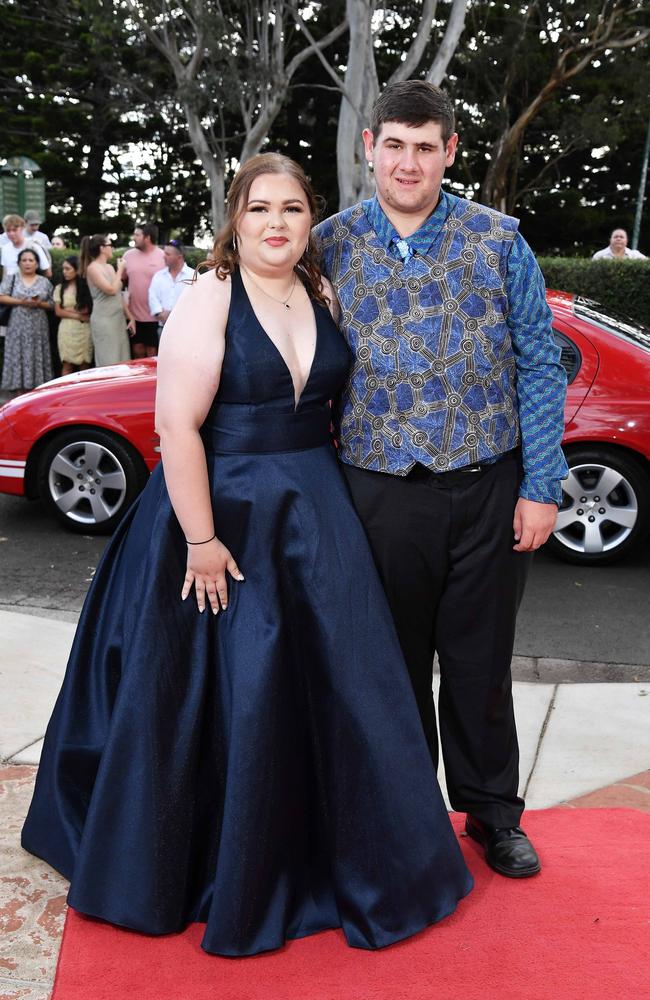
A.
pixel 421 240
pixel 181 274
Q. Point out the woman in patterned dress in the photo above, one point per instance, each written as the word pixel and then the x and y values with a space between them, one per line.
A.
pixel 27 360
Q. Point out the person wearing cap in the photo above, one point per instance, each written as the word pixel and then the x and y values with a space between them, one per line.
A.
pixel 167 285
pixel 32 231
pixel 14 230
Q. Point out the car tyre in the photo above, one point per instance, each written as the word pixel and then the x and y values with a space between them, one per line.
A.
pixel 605 509
pixel 88 478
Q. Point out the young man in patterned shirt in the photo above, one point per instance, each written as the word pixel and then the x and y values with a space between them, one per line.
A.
pixel 449 429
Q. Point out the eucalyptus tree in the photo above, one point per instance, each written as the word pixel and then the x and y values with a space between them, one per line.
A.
pixel 232 65
pixel 62 102
pixel 387 43
pixel 538 51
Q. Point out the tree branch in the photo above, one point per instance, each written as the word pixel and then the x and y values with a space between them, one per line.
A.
pixel 410 63
pixel 449 43
pixel 316 48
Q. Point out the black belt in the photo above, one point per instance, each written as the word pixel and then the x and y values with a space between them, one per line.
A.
pixel 420 472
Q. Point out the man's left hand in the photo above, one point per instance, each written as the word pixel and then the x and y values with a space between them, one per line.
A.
pixel 533 523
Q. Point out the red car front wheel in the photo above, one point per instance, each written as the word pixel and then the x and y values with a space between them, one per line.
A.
pixel 88 478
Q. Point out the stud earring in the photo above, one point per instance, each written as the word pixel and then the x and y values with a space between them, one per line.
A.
pixel 371 166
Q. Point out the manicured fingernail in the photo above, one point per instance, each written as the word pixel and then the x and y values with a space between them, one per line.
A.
pixel 240 576
pixel 201 610
pixel 215 611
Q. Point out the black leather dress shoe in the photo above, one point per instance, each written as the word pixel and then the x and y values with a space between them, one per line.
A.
pixel 507 849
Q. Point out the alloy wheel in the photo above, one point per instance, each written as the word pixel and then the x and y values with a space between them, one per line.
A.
pixel 599 510
pixel 87 482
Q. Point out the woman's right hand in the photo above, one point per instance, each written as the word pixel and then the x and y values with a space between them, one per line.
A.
pixel 206 569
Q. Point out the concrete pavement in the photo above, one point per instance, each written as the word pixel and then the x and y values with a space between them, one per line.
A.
pixel 580 743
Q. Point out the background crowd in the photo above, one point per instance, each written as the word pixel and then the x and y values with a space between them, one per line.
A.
pixel 98 313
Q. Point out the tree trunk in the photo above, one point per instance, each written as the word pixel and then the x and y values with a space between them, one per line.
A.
pixel 214 166
pixel 354 178
pixel 495 185
pixel 92 184
pixel 362 85
pixel 449 43
pixel 499 187
pixel 256 135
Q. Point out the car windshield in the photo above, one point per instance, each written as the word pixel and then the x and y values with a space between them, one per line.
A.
pixel 618 323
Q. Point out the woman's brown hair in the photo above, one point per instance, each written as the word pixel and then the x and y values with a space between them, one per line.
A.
pixel 89 251
pixel 225 257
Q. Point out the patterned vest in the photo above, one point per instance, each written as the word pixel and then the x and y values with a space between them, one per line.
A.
pixel 434 378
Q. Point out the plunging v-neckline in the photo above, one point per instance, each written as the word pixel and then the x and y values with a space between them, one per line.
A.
pixel 297 399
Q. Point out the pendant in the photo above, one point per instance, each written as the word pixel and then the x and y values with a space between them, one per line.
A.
pixel 287 306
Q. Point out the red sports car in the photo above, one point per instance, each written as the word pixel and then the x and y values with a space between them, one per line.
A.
pixel 85 444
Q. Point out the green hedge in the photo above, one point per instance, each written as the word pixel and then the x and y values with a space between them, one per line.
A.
pixel 623 285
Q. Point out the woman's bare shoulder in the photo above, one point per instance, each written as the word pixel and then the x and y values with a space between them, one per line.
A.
pixel 207 285
pixel 201 314
pixel 206 296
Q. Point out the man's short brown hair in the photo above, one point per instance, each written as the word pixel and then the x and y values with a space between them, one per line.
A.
pixel 414 103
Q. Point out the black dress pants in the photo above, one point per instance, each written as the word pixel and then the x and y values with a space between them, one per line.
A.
pixel 443 544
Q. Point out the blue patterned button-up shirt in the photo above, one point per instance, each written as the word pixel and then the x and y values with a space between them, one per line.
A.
pixel 540 380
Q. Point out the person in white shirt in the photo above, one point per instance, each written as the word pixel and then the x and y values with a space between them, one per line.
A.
pixel 31 231
pixel 14 226
pixel 618 249
pixel 167 285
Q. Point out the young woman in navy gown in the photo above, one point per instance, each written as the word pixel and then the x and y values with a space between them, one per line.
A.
pixel 236 740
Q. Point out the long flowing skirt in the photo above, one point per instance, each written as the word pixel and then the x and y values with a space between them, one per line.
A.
pixel 263 770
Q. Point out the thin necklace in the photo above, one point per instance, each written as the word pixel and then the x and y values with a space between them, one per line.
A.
pixel 282 302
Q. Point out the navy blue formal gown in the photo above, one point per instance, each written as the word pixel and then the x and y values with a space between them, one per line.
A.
pixel 264 770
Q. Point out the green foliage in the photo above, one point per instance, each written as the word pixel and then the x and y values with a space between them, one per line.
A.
pixel 83 93
pixel 89 106
pixel 62 104
pixel 567 197
pixel 623 285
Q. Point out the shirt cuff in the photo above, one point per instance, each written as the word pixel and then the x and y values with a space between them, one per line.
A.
pixel 541 490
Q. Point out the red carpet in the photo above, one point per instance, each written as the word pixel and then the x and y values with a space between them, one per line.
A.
pixel 579 930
